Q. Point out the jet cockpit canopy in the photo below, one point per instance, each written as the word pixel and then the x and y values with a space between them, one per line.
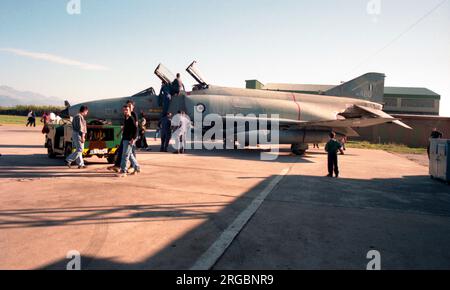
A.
pixel 195 73
pixel 164 74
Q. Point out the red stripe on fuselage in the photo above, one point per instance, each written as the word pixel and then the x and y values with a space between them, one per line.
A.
pixel 298 107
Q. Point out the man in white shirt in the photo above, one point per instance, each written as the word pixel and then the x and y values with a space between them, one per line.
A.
pixel 181 124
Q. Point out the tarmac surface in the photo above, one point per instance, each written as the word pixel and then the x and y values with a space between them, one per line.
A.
pixel 219 210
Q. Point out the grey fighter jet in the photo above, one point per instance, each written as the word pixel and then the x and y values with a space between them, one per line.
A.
pixel 303 118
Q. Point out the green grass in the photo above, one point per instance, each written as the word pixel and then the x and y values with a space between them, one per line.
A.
pixel 15 120
pixel 394 148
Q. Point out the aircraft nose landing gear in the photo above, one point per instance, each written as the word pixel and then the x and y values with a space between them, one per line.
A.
pixel 299 149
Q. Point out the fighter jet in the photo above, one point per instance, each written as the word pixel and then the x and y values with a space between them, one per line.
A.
pixel 303 118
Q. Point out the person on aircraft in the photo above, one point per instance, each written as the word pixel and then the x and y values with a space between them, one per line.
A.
pixel 177 86
pixel 165 97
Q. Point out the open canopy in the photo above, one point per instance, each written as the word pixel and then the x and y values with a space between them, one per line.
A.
pixel 164 74
pixel 195 73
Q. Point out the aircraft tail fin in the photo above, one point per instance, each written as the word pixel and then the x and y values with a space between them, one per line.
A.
pixel 369 86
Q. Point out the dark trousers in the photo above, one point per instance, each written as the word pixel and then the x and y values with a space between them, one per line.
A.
pixel 31 122
pixel 142 142
pixel 119 154
pixel 333 164
pixel 166 105
pixel 165 139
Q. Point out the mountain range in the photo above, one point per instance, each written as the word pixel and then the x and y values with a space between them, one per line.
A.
pixel 10 97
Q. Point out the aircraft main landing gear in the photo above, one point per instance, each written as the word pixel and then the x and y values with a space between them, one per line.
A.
pixel 299 149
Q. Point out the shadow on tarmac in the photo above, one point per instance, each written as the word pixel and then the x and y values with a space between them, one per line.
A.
pixel 39 165
pixel 358 214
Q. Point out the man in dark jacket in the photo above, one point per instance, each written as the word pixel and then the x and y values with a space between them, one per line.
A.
pixel 119 152
pixel 332 147
pixel 164 126
pixel 130 129
pixel 165 96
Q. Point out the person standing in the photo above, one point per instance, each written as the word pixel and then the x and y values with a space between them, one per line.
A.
pixel 130 129
pixel 79 131
pixel 165 129
pixel 45 118
pixel 142 141
pixel 33 119
pixel 343 142
pixel 435 134
pixel 119 152
pixel 332 148
pixel 182 124
pixel 132 106
pixel 58 119
pixel 30 119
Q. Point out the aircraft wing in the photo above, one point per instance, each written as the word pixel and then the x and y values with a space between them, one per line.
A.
pixel 352 123
pixel 382 114
pixel 354 117
pixel 358 116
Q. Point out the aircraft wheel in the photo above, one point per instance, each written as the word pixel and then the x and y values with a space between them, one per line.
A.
pixel 50 152
pixel 299 149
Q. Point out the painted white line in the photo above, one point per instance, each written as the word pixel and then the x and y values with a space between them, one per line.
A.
pixel 208 259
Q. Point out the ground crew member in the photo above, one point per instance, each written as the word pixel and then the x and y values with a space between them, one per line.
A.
pixel 332 147
pixel 79 131
pixel 435 134
pixel 182 124
pixel 130 129
pixel 165 130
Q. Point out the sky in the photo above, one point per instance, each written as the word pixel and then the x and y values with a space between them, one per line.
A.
pixel 110 48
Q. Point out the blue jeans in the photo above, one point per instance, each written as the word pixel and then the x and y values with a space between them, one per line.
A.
pixel 79 147
pixel 128 155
